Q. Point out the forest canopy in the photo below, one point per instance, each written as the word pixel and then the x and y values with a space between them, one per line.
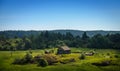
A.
pixel 48 39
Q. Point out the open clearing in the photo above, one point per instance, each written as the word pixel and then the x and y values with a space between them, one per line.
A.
pixel 80 65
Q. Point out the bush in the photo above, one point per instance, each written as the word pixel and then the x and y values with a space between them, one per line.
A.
pixel 116 56
pixel 28 58
pixel 37 58
pixel 65 61
pixel 43 62
pixel 63 55
pixel 51 59
pixel 72 60
pixel 115 62
pixel 82 56
pixel 103 63
pixel 17 61
pixel 108 54
pixel 92 51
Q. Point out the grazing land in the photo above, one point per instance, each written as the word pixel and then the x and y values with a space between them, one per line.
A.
pixel 87 64
pixel 59 35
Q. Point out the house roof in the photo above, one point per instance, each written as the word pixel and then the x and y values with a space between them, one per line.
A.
pixel 65 48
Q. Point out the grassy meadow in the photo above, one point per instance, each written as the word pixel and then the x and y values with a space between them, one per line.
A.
pixel 80 65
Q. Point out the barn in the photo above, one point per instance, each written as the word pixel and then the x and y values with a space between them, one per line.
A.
pixel 64 50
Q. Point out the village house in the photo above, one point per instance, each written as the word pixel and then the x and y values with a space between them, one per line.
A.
pixel 64 50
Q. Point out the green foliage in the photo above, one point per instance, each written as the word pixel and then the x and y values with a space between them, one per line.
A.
pixel 51 59
pixel 26 59
pixel 82 56
pixel 108 54
pixel 37 58
pixel 99 41
pixel 116 56
pixel 17 61
pixel 65 61
pixel 84 36
pixel 78 65
pixel 103 63
pixel 115 40
pixel 43 62
pixel 47 39
pixel 27 43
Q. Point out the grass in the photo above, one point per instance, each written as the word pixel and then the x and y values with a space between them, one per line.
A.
pixel 80 65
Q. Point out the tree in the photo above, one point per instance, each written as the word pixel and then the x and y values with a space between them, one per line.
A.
pixel 69 36
pixel 2 38
pixel 99 41
pixel 84 40
pixel 84 36
pixel 82 56
pixel 28 57
pixel 115 40
pixel 27 43
pixel 43 62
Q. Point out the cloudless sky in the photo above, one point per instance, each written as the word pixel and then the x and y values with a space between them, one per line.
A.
pixel 59 14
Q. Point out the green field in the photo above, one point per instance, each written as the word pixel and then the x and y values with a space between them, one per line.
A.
pixel 80 65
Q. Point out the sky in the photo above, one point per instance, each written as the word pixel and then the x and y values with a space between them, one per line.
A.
pixel 59 14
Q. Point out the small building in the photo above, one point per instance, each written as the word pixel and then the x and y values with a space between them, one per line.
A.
pixel 64 50
pixel 47 51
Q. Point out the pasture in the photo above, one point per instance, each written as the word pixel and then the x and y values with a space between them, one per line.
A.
pixel 79 65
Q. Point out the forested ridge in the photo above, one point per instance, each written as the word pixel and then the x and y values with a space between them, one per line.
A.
pixel 23 40
pixel 22 33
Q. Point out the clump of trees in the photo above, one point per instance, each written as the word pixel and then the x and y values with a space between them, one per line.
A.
pixel 49 40
pixel 25 60
pixel 51 59
pixel 41 60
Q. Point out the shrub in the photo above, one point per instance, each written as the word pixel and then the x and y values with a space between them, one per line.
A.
pixel 28 57
pixel 72 60
pixel 92 51
pixel 82 56
pixel 65 61
pixel 103 63
pixel 108 54
pixel 51 59
pixel 116 56
pixel 43 62
pixel 17 61
pixel 115 62
pixel 37 58
pixel 23 61
pixel 63 55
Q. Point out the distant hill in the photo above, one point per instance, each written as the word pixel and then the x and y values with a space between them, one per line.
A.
pixel 89 33
pixel 74 32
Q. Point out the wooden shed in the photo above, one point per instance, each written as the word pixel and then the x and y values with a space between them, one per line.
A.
pixel 64 50
pixel 47 51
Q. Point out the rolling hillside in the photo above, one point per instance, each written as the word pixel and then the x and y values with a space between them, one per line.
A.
pixel 12 33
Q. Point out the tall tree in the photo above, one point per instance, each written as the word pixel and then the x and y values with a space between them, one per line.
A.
pixel 84 36
pixel 84 39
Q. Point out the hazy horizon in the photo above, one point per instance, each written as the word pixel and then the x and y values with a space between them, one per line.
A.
pixel 38 15
pixel 60 29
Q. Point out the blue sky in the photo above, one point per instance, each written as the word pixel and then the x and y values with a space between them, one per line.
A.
pixel 60 14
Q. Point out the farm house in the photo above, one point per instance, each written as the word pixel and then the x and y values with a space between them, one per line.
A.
pixel 64 50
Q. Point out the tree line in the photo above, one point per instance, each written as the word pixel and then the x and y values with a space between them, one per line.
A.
pixel 48 39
